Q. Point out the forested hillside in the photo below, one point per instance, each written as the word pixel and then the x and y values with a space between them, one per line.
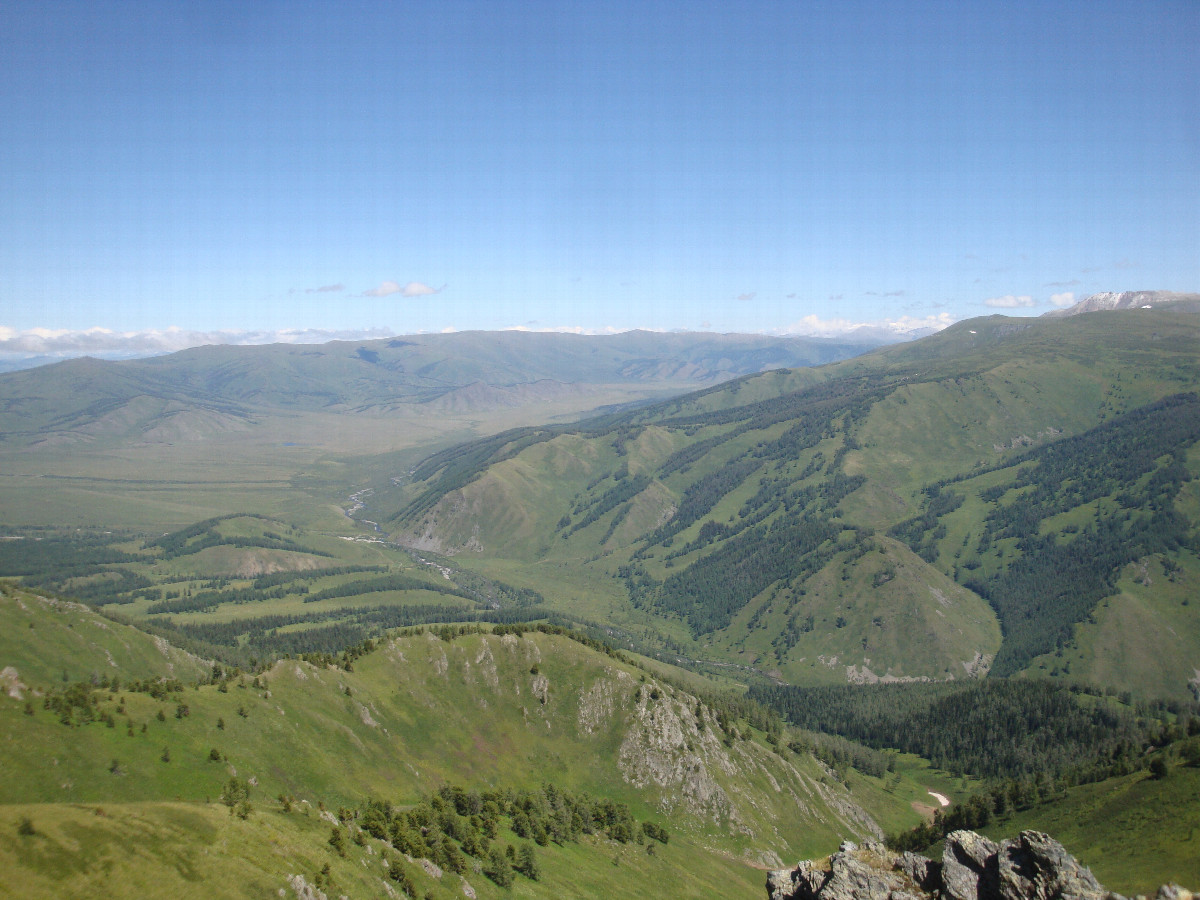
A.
pixel 961 504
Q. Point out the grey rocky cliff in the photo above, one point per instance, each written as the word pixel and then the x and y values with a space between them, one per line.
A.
pixel 1033 866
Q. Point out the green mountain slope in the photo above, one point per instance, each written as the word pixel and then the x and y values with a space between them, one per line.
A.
pixel 891 516
pixel 1133 832
pixel 505 712
pixel 46 641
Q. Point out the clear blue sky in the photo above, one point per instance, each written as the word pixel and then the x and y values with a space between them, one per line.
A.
pixel 731 166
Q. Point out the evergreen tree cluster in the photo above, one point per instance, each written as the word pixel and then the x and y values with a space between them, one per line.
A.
pixel 202 535
pixel 454 825
pixel 992 728
pixel 626 488
pixel 1002 797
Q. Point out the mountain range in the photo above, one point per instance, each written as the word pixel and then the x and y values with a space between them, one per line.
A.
pixel 1005 495
pixel 1129 300
pixel 472 371
pixel 549 615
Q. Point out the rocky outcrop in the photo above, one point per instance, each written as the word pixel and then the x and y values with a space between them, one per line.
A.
pixel 1032 866
pixel 1124 300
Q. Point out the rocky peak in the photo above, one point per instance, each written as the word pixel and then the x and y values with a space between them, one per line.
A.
pixel 1123 300
pixel 1033 866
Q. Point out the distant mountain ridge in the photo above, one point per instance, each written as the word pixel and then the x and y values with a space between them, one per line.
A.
pixel 464 371
pixel 1124 300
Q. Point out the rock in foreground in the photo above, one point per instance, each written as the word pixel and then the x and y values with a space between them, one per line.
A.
pixel 1033 866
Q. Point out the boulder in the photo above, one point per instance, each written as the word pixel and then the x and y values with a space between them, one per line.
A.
pixel 969 867
pixel 1033 866
pixel 1037 866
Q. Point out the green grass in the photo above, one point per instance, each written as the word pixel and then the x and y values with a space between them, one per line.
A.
pixel 1135 833
pixel 1145 639
pixel 902 619
pixel 420 712
pixel 190 850
pixel 45 639
pixel 901 799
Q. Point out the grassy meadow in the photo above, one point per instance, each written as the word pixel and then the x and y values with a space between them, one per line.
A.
pixel 127 784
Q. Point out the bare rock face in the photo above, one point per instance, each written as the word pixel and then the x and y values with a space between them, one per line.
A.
pixel 1037 866
pixel 868 872
pixel 966 873
pixel 1032 866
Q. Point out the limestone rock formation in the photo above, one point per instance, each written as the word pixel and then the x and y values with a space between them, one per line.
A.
pixel 1032 866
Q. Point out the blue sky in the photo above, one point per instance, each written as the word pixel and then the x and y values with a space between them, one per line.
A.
pixel 329 169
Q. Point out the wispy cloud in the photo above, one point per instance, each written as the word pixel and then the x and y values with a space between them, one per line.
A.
pixel 749 296
pixel 412 289
pixel 326 289
pixel 1063 300
pixel 1062 284
pixel 1009 301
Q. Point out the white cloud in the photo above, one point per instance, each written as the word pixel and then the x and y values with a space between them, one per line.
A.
pixel 416 289
pixel 326 289
pixel 412 289
pixel 749 296
pixel 814 326
pixel 1008 301
pixel 1063 300
pixel 386 289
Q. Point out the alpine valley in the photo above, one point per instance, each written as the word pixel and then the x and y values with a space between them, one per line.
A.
pixel 495 615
